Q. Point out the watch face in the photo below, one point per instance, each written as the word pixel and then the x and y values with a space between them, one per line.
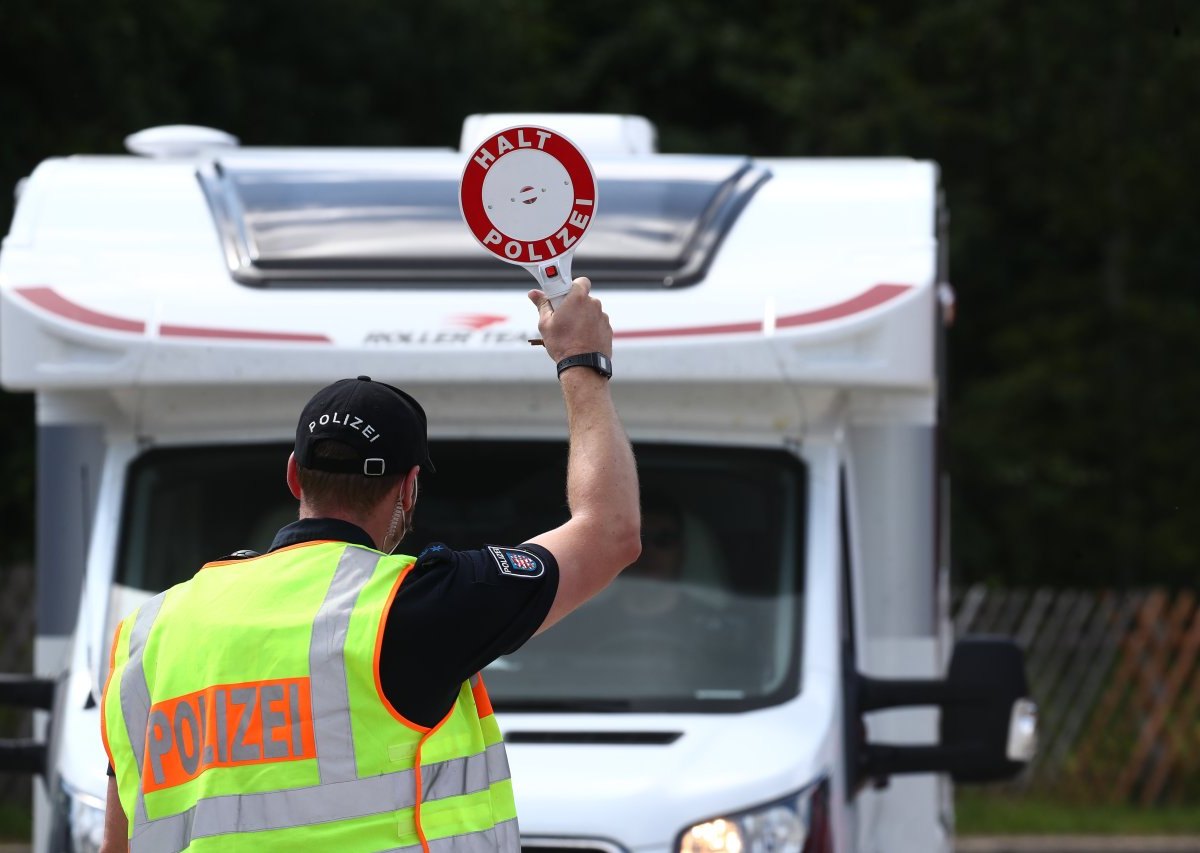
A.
pixel 603 366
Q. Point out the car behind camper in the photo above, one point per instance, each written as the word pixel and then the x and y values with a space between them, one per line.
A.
pixel 782 678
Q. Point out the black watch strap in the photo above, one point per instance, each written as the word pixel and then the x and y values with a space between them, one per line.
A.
pixel 597 361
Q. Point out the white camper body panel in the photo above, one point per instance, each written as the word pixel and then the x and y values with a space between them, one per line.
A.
pixel 813 330
pixel 113 276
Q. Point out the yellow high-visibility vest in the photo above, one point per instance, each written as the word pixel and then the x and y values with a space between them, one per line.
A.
pixel 243 711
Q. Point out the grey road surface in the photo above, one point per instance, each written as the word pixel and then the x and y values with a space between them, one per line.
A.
pixel 1078 844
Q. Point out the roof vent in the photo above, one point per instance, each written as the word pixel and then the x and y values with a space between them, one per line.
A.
pixel 597 134
pixel 178 140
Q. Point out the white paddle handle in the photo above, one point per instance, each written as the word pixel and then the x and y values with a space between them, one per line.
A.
pixel 554 278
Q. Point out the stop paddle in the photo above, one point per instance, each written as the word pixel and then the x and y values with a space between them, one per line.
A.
pixel 528 195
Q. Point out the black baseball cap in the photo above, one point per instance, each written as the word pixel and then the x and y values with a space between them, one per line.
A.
pixel 384 425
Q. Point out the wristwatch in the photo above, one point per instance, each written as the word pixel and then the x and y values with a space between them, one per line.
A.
pixel 597 361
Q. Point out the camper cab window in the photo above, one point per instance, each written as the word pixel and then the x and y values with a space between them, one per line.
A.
pixel 708 619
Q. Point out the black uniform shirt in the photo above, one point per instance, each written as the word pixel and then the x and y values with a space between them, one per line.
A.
pixel 456 612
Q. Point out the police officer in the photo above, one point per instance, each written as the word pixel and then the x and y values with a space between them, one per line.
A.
pixel 325 695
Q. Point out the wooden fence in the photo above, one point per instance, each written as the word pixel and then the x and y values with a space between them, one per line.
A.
pixel 16 655
pixel 1117 682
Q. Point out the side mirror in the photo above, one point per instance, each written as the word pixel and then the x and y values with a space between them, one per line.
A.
pixel 992 719
pixel 988 723
pixel 24 691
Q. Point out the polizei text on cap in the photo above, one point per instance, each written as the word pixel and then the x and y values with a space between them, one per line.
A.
pixel 346 420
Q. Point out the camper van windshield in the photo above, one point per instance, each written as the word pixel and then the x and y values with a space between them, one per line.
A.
pixel 707 619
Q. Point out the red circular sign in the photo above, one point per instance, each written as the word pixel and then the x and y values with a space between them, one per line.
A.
pixel 527 194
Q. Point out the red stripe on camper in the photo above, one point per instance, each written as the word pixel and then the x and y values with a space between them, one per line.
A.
pixel 170 330
pixel 875 296
pixel 47 299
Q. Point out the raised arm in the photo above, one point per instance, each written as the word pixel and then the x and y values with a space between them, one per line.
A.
pixel 603 535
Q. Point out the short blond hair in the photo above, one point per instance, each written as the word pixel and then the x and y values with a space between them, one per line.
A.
pixel 357 494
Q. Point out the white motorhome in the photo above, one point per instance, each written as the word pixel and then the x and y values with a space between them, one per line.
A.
pixel 783 687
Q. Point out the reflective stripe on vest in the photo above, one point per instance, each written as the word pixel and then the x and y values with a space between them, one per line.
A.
pixel 504 836
pixel 321 803
pixel 176 740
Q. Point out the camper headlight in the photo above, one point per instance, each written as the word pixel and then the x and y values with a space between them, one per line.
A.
pixel 80 822
pixel 795 824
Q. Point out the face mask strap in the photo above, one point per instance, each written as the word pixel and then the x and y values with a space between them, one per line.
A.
pixel 399 522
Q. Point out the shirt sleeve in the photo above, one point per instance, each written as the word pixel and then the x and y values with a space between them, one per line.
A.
pixel 456 612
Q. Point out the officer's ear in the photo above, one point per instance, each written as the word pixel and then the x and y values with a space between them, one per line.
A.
pixel 409 488
pixel 293 476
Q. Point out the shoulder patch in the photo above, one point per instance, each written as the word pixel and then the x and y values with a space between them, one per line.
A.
pixel 516 562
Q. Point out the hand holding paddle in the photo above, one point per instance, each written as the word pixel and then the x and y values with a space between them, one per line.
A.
pixel 580 326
